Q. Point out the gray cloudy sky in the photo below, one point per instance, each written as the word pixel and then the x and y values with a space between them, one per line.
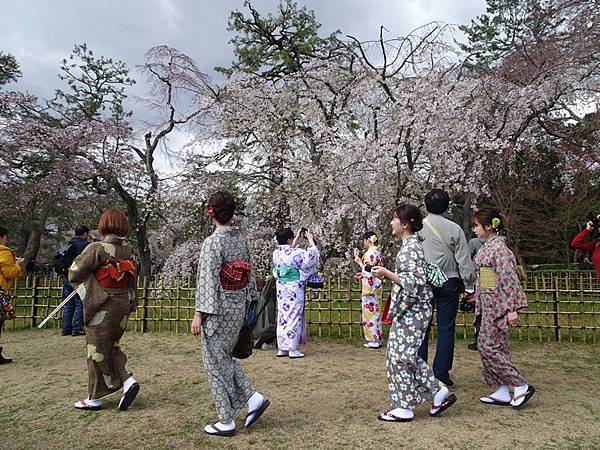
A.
pixel 40 33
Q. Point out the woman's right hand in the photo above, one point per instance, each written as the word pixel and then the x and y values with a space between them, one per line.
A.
pixel 196 323
pixel 20 261
pixel 379 271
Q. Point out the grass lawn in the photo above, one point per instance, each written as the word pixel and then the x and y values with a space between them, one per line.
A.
pixel 330 399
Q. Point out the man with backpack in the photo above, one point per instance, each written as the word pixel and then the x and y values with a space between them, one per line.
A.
pixel 72 320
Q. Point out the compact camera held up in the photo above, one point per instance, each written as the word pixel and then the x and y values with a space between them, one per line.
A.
pixel 594 219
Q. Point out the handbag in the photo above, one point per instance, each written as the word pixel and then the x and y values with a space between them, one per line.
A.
pixel 315 281
pixel 385 317
pixel 435 276
pixel 7 309
pixel 245 342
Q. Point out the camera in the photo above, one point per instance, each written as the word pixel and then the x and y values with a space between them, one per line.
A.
pixel 368 268
pixel 303 231
pixel 594 219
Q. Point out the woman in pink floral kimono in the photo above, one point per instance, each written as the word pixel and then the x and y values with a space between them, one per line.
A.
pixel 499 299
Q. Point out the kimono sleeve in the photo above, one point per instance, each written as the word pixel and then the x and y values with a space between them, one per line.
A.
pixel 208 281
pixel 510 293
pixel 10 270
pixel 310 258
pixel 251 289
pixel 85 264
pixel 412 276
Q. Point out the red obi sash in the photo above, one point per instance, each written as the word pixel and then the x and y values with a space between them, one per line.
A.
pixel 115 277
pixel 235 274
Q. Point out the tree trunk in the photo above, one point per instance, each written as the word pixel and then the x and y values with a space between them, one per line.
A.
pixel 35 237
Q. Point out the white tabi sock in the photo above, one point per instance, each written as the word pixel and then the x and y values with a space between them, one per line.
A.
pixel 440 396
pixel 97 402
pixel 221 426
pixel 519 390
pixel 128 383
pixel 255 401
pixel 403 413
pixel 501 394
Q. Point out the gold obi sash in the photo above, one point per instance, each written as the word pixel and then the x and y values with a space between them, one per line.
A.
pixel 487 278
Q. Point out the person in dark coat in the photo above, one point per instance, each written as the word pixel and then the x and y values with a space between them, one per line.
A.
pixel 72 319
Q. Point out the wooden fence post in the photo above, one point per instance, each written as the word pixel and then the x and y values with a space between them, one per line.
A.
pixel 33 301
pixel 555 309
pixel 145 307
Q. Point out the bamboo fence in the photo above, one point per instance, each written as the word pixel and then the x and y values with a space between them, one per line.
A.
pixel 564 305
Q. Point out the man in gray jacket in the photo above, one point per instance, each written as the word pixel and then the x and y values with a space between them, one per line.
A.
pixel 445 245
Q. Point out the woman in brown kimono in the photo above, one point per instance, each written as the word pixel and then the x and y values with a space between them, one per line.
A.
pixel 105 276
pixel 499 299
pixel 224 289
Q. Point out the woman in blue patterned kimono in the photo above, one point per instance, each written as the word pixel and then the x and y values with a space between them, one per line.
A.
pixel 410 379
pixel 291 267
pixel 225 287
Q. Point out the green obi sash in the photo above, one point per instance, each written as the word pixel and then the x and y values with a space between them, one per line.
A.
pixel 286 274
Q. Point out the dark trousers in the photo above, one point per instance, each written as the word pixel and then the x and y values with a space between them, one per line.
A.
pixel 72 319
pixel 445 304
pixel 477 325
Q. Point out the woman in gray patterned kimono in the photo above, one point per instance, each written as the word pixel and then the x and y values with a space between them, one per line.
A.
pixel 220 312
pixel 105 276
pixel 410 379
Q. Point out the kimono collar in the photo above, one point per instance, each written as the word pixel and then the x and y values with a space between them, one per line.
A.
pixel 226 230
pixel 495 238
pixel 113 239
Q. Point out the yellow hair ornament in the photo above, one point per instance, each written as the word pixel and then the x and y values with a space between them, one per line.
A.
pixel 373 239
pixel 495 223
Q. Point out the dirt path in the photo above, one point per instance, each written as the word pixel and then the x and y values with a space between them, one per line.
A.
pixel 320 401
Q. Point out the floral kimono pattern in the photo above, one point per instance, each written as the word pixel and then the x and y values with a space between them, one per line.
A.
pixel 105 313
pixel 291 320
pixel 410 379
pixel 498 292
pixel 371 298
pixel 223 316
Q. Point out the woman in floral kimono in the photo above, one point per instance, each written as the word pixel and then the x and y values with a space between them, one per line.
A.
pixel 410 379
pixel 291 267
pixel 105 276
pixel 499 298
pixel 225 287
pixel 371 291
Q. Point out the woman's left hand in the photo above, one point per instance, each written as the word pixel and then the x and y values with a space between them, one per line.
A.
pixel 512 318
pixel 196 323
pixel 379 271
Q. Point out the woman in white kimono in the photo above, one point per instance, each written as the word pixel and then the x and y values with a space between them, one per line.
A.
pixel 291 267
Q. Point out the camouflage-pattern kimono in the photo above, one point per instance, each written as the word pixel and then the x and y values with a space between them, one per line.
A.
pixel 498 292
pixel 410 379
pixel 224 313
pixel 105 313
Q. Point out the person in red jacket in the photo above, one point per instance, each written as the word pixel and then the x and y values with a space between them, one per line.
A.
pixel 583 242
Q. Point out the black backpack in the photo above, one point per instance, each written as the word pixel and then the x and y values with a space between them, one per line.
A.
pixel 64 257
